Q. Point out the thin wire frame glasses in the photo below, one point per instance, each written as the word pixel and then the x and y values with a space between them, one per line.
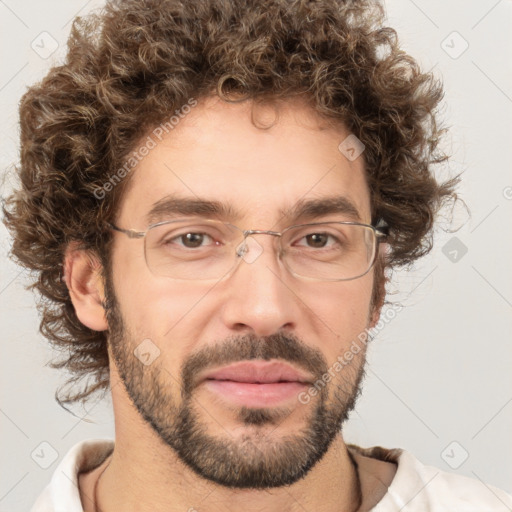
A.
pixel 204 249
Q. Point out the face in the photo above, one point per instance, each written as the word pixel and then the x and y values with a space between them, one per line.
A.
pixel 259 323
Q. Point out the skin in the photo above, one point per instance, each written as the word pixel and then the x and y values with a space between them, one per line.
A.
pixel 214 145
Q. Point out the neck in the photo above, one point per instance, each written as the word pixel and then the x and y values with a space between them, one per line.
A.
pixel 137 478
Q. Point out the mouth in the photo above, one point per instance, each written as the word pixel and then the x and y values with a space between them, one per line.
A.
pixel 257 383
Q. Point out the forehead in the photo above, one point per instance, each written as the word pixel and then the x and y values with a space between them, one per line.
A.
pixel 216 162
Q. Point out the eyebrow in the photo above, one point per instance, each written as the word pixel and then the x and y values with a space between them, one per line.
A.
pixel 304 209
pixel 309 209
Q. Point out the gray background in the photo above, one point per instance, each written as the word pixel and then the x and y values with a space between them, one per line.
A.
pixel 439 374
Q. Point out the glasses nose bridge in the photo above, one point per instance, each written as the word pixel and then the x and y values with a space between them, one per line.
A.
pixel 248 232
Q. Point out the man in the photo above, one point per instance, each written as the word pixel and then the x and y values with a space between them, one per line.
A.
pixel 212 192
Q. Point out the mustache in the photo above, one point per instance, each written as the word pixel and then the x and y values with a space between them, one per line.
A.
pixel 281 346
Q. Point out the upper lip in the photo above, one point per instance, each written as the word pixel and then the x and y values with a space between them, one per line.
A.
pixel 262 372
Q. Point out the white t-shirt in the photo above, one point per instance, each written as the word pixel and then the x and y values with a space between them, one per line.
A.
pixel 415 487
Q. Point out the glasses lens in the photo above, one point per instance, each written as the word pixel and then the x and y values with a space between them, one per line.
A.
pixel 191 249
pixel 330 251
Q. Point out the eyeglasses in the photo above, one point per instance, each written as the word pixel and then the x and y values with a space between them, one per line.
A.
pixel 200 249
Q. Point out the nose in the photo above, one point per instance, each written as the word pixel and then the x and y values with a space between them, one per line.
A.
pixel 258 293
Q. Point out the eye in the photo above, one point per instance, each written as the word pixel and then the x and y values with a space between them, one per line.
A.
pixel 191 240
pixel 319 240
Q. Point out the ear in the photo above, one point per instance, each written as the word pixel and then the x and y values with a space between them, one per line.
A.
pixel 379 287
pixel 82 274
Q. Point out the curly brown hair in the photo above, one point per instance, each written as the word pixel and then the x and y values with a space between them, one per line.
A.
pixel 135 61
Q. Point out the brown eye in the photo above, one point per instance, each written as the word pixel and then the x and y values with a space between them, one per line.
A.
pixel 192 240
pixel 189 240
pixel 317 239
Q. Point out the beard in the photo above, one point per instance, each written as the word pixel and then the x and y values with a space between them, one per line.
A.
pixel 256 459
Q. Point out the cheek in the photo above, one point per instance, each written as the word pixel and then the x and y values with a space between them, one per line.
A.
pixel 158 308
pixel 146 301
pixel 342 313
pixel 169 313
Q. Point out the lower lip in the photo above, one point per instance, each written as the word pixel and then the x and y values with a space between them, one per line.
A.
pixel 251 394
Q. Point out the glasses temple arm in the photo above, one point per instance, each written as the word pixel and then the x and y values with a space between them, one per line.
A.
pixel 131 233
